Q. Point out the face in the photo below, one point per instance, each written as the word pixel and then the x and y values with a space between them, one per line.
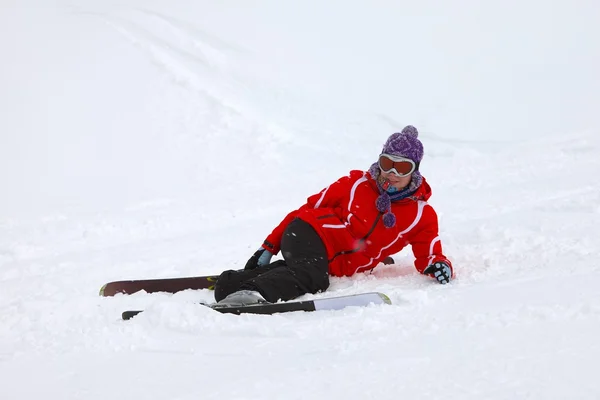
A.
pixel 394 167
pixel 395 180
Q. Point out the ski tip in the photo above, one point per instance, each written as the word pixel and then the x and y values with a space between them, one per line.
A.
pixel 126 315
pixel 110 289
pixel 384 298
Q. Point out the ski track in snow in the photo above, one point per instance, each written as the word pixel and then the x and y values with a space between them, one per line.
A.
pixel 520 219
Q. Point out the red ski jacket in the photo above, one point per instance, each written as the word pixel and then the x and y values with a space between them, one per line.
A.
pixel 346 218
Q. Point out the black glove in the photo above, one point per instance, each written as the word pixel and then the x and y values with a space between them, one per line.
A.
pixel 440 271
pixel 260 258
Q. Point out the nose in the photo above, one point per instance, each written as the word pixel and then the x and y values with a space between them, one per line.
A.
pixel 390 176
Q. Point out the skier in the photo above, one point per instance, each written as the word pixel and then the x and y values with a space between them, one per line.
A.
pixel 347 228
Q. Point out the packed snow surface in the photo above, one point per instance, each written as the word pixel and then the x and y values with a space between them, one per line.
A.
pixel 147 139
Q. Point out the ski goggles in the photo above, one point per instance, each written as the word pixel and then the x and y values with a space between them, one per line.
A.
pixel 400 166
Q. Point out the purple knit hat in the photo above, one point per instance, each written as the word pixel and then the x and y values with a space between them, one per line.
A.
pixel 402 144
pixel 405 144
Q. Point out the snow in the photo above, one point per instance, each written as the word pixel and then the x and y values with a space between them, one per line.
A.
pixel 147 139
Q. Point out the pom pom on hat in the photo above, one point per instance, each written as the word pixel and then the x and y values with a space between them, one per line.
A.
pixel 405 144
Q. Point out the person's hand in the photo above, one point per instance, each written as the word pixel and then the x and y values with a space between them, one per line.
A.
pixel 260 258
pixel 440 271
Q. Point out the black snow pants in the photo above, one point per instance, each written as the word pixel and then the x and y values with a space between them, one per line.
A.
pixel 304 269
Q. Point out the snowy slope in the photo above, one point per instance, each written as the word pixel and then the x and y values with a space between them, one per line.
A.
pixel 147 139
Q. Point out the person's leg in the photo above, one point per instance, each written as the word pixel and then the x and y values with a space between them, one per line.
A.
pixel 231 281
pixel 307 269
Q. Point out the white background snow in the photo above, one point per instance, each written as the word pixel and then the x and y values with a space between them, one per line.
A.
pixel 144 139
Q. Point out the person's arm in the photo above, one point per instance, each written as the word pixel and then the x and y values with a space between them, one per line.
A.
pixel 328 197
pixel 427 248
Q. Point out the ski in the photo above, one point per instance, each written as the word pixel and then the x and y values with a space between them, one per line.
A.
pixel 168 285
pixel 330 303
